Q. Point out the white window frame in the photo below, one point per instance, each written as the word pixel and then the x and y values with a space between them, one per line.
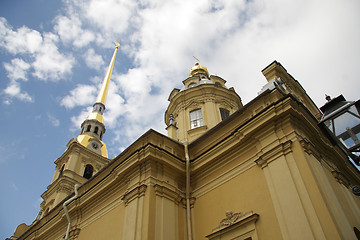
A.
pixel 196 118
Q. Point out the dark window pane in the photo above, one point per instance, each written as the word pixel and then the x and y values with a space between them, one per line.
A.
pixel 224 113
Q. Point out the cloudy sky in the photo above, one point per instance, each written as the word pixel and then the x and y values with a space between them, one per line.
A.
pixel 54 55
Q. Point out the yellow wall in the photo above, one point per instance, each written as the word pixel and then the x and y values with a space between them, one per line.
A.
pixel 244 193
pixel 109 226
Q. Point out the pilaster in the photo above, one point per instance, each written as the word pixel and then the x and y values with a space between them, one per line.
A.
pixel 287 191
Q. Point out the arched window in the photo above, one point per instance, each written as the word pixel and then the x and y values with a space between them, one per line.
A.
pixel 88 172
pixel 88 128
pixel 96 130
pixel 196 119
pixel 101 133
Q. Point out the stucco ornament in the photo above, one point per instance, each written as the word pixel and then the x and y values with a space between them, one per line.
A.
pixel 232 218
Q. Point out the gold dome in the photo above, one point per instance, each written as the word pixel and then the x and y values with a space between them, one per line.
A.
pixel 198 69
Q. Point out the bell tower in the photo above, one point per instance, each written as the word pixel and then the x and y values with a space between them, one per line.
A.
pixel 93 128
pixel 202 103
pixel 85 155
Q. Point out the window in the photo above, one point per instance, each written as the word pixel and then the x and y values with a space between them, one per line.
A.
pixel 191 85
pixel 196 119
pixel 96 130
pixel 88 128
pixel 88 172
pixel 224 113
pixel 218 84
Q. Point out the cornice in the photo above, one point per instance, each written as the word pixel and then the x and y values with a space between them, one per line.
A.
pixel 341 178
pixel 64 183
pixel 75 147
pixel 137 192
pixel 282 149
pixel 200 94
pixel 163 191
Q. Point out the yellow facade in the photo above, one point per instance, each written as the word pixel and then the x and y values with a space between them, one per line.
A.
pixel 266 171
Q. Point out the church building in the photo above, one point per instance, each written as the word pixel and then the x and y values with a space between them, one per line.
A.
pixel 260 171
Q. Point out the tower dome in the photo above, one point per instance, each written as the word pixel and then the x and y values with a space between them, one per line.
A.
pixel 198 69
pixel 201 104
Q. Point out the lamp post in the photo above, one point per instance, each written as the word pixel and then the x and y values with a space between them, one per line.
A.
pixel 341 120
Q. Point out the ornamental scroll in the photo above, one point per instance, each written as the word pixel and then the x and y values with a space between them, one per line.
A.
pixel 232 218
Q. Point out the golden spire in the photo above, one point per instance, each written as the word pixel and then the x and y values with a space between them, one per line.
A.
pixel 93 128
pixel 105 85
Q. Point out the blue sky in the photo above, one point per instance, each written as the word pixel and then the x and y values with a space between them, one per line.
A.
pixel 54 55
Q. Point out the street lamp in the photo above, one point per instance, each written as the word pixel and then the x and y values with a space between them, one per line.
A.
pixel 341 120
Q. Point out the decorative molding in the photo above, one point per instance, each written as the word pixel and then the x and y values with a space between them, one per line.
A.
pixel 274 153
pixel 341 178
pixel 236 225
pixel 197 130
pixel 232 218
pixel 74 234
pixel 134 193
pixel 192 202
pixel 166 192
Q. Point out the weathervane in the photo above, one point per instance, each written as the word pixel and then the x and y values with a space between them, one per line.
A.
pixel 117 44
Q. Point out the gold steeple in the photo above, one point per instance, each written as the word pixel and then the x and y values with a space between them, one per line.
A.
pixel 105 85
pixel 93 128
pixel 101 98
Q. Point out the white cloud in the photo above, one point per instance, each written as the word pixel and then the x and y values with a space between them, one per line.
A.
pixel 110 15
pixel 114 106
pixel 79 119
pixel 13 90
pixel 93 60
pixel 82 95
pixel 53 120
pixel 49 63
pixel 24 40
pixel 70 30
pixel 17 69
pixel 42 56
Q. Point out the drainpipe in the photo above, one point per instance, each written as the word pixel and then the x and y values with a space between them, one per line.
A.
pixel 66 211
pixel 188 212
